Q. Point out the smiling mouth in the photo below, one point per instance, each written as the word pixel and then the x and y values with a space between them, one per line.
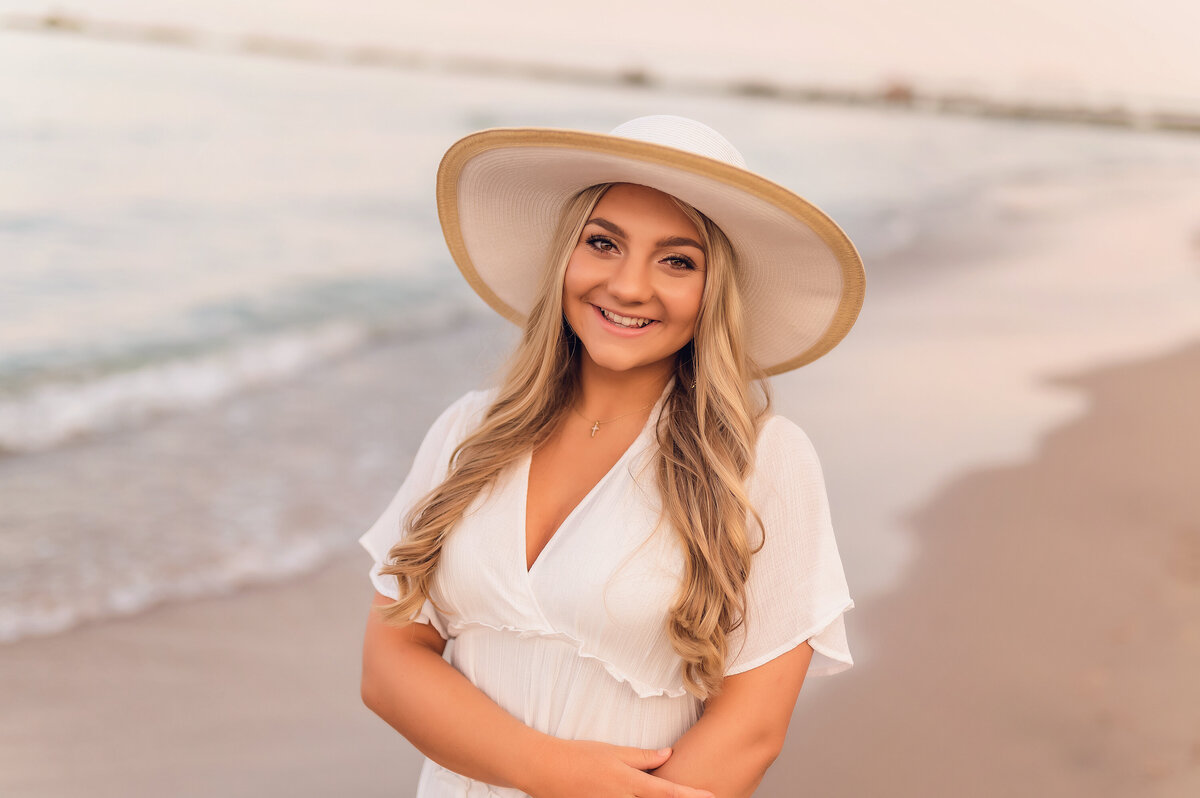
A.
pixel 629 322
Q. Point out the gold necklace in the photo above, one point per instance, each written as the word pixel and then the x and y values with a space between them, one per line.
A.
pixel 596 424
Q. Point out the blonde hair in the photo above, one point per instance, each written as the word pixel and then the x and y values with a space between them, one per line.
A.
pixel 705 433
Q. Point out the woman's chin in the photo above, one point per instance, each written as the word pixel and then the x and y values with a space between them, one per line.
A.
pixel 621 362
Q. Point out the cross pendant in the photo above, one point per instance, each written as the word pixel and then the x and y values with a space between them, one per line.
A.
pixel 595 428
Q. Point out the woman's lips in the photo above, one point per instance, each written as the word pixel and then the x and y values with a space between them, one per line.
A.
pixel 621 329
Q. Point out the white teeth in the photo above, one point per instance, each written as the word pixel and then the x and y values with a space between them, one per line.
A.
pixel 625 321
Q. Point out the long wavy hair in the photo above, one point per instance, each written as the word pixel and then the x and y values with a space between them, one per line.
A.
pixel 706 435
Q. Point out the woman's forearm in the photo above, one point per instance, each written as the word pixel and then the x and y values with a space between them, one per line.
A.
pixel 727 759
pixel 742 729
pixel 408 684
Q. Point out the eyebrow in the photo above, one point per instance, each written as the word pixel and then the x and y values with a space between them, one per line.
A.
pixel 672 241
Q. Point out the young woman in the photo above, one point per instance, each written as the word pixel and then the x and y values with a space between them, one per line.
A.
pixel 609 576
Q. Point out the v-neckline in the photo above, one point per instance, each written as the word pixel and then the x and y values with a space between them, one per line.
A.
pixel 523 478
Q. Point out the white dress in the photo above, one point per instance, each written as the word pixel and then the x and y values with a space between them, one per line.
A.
pixel 576 646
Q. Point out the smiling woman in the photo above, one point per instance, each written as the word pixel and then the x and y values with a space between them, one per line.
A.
pixel 632 556
pixel 633 285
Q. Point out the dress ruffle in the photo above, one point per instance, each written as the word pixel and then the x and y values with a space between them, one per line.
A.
pixel 642 687
pixel 827 636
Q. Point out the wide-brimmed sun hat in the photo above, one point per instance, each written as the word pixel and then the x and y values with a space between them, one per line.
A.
pixel 501 192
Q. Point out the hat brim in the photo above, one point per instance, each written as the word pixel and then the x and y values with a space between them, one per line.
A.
pixel 501 192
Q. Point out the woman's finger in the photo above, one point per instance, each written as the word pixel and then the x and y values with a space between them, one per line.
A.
pixel 643 758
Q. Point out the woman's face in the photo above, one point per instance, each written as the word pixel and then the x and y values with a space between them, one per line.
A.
pixel 634 281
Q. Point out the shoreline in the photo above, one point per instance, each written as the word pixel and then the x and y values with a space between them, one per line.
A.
pixel 254 489
pixel 1088 688
pixel 1047 632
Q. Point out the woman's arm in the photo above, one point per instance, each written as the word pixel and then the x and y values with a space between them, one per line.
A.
pixel 407 683
pixel 742 729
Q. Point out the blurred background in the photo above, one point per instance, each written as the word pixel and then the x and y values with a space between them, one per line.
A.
pixel 227 317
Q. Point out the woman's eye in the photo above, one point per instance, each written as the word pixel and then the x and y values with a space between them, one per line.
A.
pixel 601 243
pixel 680 262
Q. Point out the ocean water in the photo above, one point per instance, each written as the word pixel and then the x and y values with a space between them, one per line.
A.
pixel 210 254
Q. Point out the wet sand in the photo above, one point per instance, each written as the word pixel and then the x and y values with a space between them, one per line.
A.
pixel 1045 643
pixel 1048 637
pixel 254 694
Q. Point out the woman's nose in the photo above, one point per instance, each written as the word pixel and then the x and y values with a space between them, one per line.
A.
pixel 630 280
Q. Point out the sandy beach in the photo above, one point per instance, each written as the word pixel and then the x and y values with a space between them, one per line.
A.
pixel 1045 642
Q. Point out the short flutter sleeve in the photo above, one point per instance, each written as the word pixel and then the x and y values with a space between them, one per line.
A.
pixel 428 470
pixel 796 590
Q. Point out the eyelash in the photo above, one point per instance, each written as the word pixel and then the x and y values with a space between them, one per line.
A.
pixel 595 242
pixel 606 244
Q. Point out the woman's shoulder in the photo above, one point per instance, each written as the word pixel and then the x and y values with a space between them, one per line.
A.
pixel 783 443
pixel 786 466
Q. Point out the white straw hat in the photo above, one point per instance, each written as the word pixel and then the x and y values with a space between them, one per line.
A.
pixel 501 193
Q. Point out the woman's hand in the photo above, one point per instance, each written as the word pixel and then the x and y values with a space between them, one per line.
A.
pixel 579 768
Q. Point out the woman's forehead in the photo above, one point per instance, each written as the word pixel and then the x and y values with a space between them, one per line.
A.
pixel 643 207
